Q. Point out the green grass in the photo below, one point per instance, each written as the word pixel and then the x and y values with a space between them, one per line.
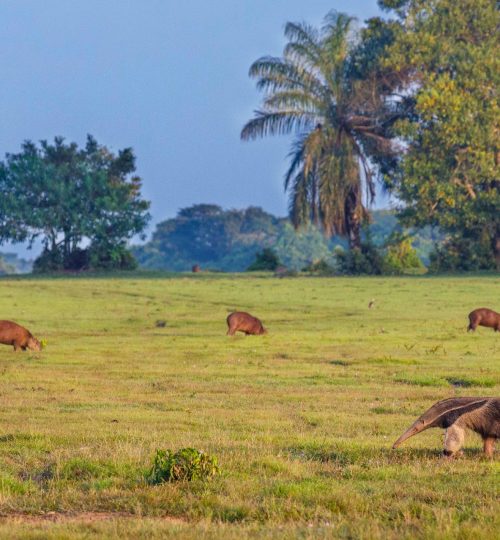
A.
pixel 301 420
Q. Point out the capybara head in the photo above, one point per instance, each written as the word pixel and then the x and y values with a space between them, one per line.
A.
pixel 34 344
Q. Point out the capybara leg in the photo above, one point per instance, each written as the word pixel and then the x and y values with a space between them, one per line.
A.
pixel 489 446
pixel 16 347
pixel 230 331
pixel 453 440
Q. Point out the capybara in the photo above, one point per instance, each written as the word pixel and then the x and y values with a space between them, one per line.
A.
pixel 484 317
pixel 239 321
pixel 19 337
pixel 195 268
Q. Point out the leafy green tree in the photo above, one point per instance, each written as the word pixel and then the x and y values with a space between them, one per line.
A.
pixel 401 256
pixel 267 259
pixel 65 196
pixel 450 53
pixel 299 248
pixel 324 93
pixel 368 260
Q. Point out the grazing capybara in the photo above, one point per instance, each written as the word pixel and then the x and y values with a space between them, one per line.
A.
pixel 195 268
pixel 19 337
pixel 239 321
pixel 484 317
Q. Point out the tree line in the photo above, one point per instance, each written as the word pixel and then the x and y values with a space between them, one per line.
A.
pixel 229 240
pixel 408 102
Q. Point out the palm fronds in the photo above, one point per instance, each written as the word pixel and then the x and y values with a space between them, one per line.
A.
pixel 335 116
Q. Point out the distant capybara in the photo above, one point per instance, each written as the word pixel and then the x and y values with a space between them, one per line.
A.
pixel 239 321
pixel 19 337
pixel 195 268
pixel 484 317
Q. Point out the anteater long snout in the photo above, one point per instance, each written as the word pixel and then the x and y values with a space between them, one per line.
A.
pixel 417 427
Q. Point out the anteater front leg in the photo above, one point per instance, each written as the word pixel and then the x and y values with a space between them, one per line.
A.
pixel 453 440
pixel 489 446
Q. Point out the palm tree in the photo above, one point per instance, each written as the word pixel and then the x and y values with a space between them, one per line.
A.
pixel 314 92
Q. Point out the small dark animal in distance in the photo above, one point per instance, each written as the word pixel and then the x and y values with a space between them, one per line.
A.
pixel 480 414
pixel 195 268
pixel 484 317
pixel 19 337
pixel 240 321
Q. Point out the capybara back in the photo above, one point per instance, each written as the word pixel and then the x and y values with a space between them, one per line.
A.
pixel 19 337
pixel 240 321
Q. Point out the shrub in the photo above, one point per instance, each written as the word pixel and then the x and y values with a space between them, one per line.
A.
pixel 185 464
pixel 461 254
pixel 320 268
pixel 48 261
pixel 367 260
pixel 400 256
pixel 111 257
pixel 95 257
pixel 265 260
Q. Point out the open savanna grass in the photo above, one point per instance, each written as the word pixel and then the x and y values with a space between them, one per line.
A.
pixel 301 420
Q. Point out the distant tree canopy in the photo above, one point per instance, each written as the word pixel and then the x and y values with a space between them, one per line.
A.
pixel 227 240
pixel 449 175
pixel 230 240
pixel 11 263
pixel 68 196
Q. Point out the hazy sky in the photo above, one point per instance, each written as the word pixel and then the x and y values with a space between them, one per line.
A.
pixel 168 78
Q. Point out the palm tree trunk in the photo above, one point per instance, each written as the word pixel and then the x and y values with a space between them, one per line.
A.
pixel 496 250
pixel 353 218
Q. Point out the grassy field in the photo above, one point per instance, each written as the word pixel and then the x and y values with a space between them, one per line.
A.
pixel 301 419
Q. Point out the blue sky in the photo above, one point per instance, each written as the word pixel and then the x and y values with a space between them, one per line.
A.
pixel 168 78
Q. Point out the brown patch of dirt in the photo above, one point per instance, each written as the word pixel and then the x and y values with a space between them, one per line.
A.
pixel 80 517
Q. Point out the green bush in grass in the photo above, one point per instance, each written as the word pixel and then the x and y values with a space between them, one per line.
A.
pixel 185 464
